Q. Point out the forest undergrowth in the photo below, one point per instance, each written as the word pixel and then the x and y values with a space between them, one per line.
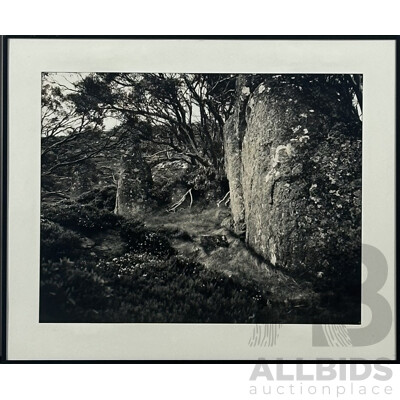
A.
pixel 183 266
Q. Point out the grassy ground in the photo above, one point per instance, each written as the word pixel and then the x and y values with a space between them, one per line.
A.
pixel 234 260
pixel 295 299
pixel 161 270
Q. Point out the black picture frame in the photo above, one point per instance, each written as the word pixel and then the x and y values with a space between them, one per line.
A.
pixel 4 179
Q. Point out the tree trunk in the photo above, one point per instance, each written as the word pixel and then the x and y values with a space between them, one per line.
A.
pixel 84 177
pixel 133 185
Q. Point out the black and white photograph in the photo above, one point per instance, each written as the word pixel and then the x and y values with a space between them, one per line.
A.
pixel 208 198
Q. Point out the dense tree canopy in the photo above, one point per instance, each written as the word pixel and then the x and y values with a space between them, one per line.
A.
pixel 182 113
pixel 175 116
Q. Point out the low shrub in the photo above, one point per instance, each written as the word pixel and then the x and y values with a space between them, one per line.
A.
pixel 167 176
pixel 57 242
pixel 102 198
pixel 162 194
pixel 71 292
pixel 140 287
pixel 140 239
pixel 131 229
pixel 206 184
pixel 80 217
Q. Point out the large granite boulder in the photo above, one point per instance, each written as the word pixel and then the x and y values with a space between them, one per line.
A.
pixel 294 168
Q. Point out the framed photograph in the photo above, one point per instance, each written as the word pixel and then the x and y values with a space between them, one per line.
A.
pixel 199 199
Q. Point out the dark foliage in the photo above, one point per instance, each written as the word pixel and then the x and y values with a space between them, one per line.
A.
pixel 207 184
pixel 81 217
pixel 167 178
pixel 161 194
pixel 69 290
pixel 140 239
pixel 102 198
pixel 142 287
pixel 57 242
